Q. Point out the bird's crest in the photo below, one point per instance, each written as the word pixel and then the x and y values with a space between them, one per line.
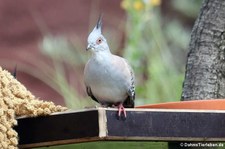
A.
pixel 97 31
pixel 99 23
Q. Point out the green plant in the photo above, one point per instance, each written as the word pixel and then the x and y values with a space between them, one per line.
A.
pixel 65 70
pixel 152 49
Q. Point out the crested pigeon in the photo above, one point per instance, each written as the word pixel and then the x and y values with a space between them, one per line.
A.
pixel 108 78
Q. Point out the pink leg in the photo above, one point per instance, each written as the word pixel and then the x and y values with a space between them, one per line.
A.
pixel 121 109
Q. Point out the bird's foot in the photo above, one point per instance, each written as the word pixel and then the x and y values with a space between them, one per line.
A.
pixel 121 109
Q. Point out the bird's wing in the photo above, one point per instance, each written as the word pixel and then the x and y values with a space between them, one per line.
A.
pixel 129 77
pixel 89 92
pixel 88 88
pixel 129 102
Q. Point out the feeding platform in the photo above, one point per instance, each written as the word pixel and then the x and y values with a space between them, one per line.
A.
pixel 102 124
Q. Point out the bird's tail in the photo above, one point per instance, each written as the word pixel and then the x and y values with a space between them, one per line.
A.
pixel 129 102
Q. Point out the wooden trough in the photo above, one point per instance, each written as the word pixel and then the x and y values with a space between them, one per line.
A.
pixel 175 122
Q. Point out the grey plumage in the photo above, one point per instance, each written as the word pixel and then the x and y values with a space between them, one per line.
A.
pixel 109 79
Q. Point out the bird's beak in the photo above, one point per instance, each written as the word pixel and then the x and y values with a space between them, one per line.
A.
pixel 90 47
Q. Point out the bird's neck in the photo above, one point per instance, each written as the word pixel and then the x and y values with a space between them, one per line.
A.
pixel 102 56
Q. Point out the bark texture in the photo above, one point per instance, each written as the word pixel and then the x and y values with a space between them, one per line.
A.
pixel 205 68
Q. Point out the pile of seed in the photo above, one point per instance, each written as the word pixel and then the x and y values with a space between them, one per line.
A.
pixel 16 100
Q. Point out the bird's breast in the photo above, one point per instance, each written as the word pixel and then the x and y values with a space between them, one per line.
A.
pixel 105 83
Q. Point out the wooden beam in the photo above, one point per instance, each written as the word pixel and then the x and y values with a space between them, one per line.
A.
pixel 103 124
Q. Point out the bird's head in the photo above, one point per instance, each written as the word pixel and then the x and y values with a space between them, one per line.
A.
pixel 96 41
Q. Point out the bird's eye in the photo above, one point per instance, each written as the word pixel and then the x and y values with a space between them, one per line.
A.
pixel 99 41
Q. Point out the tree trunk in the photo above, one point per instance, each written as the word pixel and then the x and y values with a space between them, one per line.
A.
pixel 205 68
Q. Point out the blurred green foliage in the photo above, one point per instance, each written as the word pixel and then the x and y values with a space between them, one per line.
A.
pixel 188 8
pixel 155 47
pixel 66 75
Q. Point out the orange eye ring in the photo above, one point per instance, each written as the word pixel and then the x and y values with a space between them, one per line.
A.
pixel 99 41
